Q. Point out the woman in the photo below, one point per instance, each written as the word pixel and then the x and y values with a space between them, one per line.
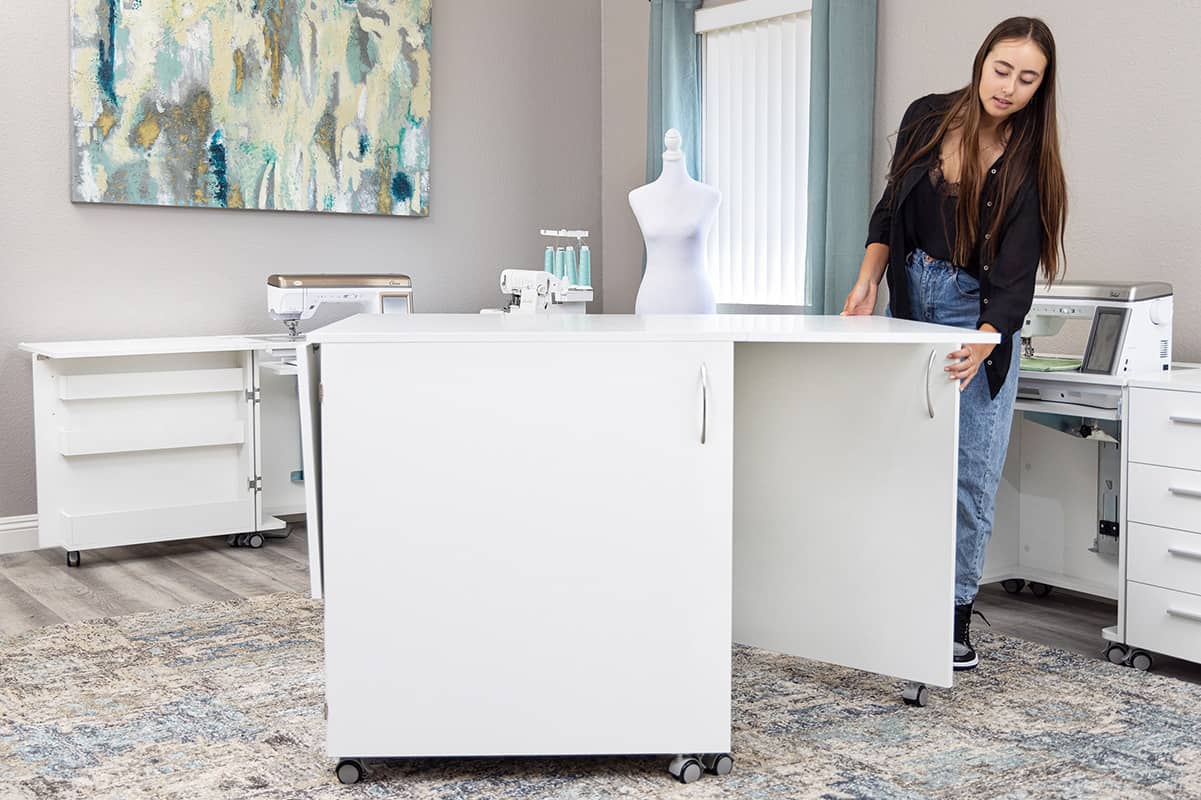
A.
pixel 976 198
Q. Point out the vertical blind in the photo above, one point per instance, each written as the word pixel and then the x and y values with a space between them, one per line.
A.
pixel 756 148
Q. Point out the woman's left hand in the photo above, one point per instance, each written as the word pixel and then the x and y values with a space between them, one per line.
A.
pixel 968 360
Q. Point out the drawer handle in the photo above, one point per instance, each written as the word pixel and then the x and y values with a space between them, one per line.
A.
pixel 1176 490
pixel 1189 615
pixel 1185 420
pixel 1181 552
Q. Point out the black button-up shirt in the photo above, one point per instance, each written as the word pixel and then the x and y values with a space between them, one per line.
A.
pixel 1006 280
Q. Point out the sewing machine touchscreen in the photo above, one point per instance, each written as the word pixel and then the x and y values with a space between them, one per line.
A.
pixel 1104 340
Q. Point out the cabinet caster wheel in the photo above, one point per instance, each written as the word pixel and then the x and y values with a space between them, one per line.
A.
pixel 916 694
pixel 72 558
pixel 1039 589
pixel 686 769
pixel 1141 660
pixel 349 771
pixel 254 540
pixel 1115 654
pixel 1013 585
pixel 718 763
pixel 232 540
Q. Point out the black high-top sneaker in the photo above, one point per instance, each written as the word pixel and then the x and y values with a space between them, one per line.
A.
pixel 963 655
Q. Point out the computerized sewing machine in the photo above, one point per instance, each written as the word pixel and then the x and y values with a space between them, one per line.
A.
pixel 292 298
pixel 539 292
pixel 1130 334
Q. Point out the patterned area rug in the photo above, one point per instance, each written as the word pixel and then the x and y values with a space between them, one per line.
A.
pixel 225 701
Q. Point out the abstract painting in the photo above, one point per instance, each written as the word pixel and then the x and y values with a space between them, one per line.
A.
pixel 297 105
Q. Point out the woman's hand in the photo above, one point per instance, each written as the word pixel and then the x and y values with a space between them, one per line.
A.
pixel 862 299
pixel 968 359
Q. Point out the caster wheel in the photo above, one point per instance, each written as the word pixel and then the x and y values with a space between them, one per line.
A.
pixel 72 558
pixel 232 540
pixel 349 771
pixel 718 763
pixel 916 694
pixel 241 540
pixel 1115 654
pixel 1040 589
pixel 254 540
pixel 686 769
pixel 1141 660
pixel 1013 585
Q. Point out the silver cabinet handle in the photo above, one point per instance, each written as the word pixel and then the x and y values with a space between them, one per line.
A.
pixel 1184 492
pixel 1190 615
pixel 1185 420
pixel 704 403
pixel 1180 551
pixel 929 371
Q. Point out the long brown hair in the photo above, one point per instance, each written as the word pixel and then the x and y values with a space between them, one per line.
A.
pixel 1033 143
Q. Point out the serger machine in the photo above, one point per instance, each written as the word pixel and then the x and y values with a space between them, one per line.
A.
pixel 292 298
pixel 538 292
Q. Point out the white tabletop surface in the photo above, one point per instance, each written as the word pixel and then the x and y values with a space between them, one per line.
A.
pixel 625 327
pixel 140 347
pixel 1186 377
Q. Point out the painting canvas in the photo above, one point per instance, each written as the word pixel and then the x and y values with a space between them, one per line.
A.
pixel 299 105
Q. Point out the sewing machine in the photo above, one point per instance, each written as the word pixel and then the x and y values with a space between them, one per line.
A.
pixel 1130 334
pixel 538 292
pixel 292 298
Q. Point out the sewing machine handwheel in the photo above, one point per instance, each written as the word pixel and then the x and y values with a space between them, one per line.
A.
pixel 1013 585
pixel 1039 589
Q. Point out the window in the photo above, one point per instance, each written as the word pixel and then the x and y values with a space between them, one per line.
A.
pixel 756 148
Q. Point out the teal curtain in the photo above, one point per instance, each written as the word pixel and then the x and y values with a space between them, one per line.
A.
pixel 674 86
pixel 841 101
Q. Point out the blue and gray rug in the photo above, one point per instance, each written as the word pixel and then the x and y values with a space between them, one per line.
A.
pixel 225 701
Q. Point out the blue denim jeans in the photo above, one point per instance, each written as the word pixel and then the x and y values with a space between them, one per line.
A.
pixel 944 295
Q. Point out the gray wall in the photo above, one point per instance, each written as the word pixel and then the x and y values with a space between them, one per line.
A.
pixel 1129 103
pixel 624 45
pixel 516 145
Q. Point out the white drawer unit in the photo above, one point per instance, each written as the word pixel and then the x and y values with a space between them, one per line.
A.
pixel 1165 427
pixel 1159 601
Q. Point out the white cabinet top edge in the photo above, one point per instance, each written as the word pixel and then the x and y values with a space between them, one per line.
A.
pixel 99 348
pixel 628 327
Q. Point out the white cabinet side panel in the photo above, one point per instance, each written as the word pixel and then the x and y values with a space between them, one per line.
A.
pixel 845 505
pixel 527 548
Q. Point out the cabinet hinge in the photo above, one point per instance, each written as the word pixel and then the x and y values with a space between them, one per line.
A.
pixel 321 393
pixel 255 484
pixel 253 396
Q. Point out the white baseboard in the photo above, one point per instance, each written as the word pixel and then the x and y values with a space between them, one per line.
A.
pixel 18 534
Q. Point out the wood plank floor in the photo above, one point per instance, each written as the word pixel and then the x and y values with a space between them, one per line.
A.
pixel 37 588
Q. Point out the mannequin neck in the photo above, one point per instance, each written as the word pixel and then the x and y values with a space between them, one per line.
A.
pixel 674 172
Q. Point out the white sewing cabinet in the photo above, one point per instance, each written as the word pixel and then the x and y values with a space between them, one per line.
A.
pixel 540 533
pixel 157 439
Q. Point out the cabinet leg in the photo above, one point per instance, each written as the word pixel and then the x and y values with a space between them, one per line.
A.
pixel 72 558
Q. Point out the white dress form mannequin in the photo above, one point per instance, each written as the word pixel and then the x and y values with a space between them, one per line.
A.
pixel 675 214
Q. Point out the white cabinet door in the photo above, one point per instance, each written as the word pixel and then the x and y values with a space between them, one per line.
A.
pixel 527 547
pixel 844 502
pixel 134 449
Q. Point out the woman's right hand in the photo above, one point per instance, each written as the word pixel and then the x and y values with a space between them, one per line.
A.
pixel 861 301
